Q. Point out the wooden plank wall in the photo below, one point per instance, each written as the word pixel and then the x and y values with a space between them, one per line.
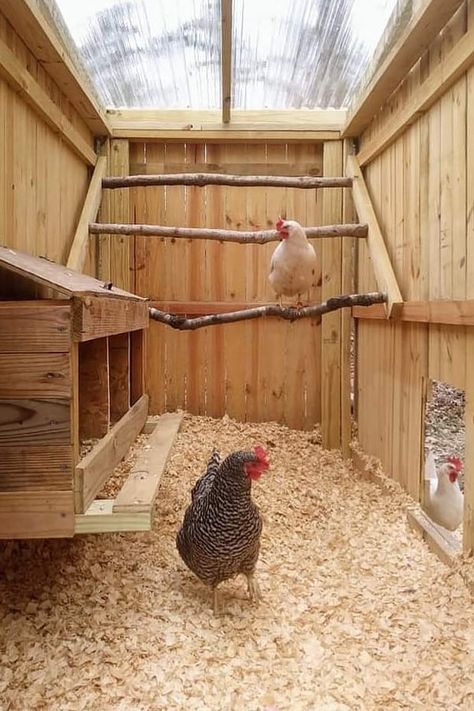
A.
pixel 422 189
pixel 256 370
pixel 43 183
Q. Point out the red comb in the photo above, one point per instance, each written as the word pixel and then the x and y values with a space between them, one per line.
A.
pixel 279 223
pixel 457 464
pixel 261 454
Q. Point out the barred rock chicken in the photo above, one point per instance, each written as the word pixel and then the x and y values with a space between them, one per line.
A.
pixel 444 500
pixel 293 265
pixel 220 534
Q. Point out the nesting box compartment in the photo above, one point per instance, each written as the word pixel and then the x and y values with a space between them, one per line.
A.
pixel 72 367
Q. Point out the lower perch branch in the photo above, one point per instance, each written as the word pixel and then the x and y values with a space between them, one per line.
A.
pixel 290 313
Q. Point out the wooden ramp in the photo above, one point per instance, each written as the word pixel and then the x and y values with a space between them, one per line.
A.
pixel 132 509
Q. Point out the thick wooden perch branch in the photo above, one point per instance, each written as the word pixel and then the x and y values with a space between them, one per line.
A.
pixel 289 313
pixel 201 179
pixel 261 237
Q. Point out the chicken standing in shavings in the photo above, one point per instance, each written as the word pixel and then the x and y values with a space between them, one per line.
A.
pixel 220 534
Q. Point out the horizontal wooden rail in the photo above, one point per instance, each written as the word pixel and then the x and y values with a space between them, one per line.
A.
pixel 260 237
pixel 202 179
pixel 289 313
pixel 449 313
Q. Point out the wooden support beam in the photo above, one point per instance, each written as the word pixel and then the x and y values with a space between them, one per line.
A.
pixel 226 59
pixel 19 78
pixel 96 317
pixel 384 274
pixel 240 237
pixel 77 255
pixel 450 313
pixel 249 181
pixel 408 47
pixel 139 492
pixel 443 543
pixel 331 261
pixel 289 313
pixel 100 518
pixel 50 48
pixel 96 467
pixel 225 133
pixel 468 530
pixel 457 62
pixel 122 249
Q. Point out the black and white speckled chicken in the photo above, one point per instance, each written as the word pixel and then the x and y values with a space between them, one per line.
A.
pixel 220 534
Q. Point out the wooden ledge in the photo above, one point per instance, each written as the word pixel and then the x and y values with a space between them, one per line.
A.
pixel 442 542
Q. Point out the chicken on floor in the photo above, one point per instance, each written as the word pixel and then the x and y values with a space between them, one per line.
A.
pixel 444 500
pixel 293 265
pixel 220 534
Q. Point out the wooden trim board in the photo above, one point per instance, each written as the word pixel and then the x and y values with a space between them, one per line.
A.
pixel 77 255
pixel 443 77
pixel 42 39
pixel 96 317
pixel 99 518
pixel 226 59
pixel 421 30
pixel 441 542
pixel 450 313
pixel 95 468
pixel 139 491
pixel 384 274
pixel 19 78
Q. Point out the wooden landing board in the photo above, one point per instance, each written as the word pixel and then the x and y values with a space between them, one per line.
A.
pixel 99 518
pixel 139 491
pixel 441 542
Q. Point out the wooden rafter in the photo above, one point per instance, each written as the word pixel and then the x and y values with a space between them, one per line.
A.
pixel 41 38
pixel 457 62
pixel 77 255
pixel 235 236
pixel 226 58
pixel 384 274
pixel 20 79
pixel 418 34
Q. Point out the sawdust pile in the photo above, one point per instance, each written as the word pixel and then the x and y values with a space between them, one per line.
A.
pixel 358 614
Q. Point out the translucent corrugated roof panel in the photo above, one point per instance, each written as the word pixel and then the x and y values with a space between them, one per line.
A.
pixel 287 54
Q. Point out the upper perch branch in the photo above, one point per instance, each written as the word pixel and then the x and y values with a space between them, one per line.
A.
pixel 201 179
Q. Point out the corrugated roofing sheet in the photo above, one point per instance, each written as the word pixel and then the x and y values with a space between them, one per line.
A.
pixel 287 54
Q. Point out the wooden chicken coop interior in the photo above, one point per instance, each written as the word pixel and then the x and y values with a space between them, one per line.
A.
pixel 84 257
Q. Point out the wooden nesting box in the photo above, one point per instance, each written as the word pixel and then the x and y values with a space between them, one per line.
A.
pixel 72 366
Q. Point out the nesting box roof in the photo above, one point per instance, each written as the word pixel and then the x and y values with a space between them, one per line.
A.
pixel 41 270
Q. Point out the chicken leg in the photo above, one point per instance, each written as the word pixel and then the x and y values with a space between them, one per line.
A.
pixel 216 605
pixel 253 588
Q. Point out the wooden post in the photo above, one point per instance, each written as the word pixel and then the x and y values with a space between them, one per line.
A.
pixel 468 533
pixel 331 252
pixel 347 286
pixel 116 256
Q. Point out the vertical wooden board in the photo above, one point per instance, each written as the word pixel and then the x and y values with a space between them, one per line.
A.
pixel 411 264
pixel 155 371
pixel 468 524
pixel 122 246
pixel 236 352
pixel 196 261
pixel 458 176
pixel 256 272
pixel 214 291
pixel 94 395
pixel 470 178
pixel 397 235
pixel 237 343
pixel 177 286
pixel 347 287
pixel 331 286
pixel 119 373
pixel 421 290
pixel 446 196
pixel 415 435
pixel 278 383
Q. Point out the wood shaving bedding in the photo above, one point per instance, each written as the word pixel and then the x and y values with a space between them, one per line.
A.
pixel 357 612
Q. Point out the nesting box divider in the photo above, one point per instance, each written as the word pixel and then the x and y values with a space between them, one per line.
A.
pixel 119 375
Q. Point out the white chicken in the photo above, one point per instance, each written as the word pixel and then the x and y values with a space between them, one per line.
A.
pixel 293 265
pixel 444 500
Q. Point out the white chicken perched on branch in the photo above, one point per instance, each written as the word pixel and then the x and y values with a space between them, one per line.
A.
pixel 444 500
pixel 293 265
